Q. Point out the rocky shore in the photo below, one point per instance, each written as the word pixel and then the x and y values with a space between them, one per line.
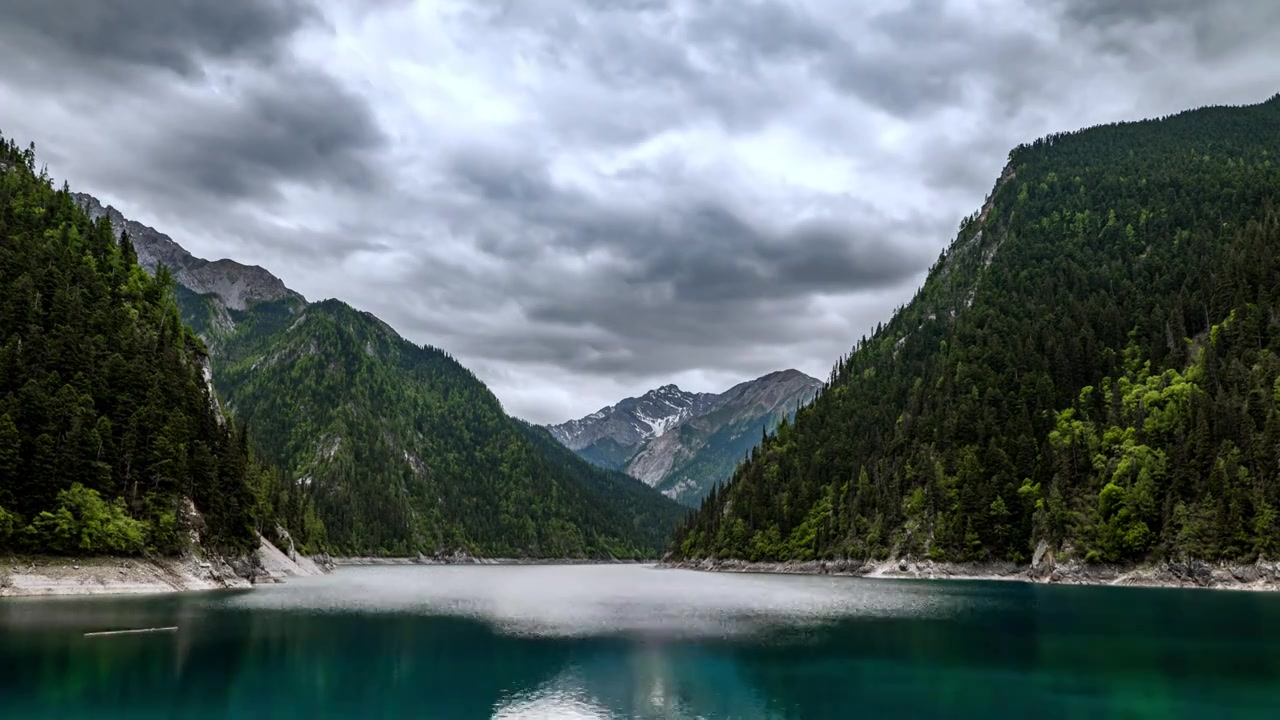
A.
pixel 55 576
pixel 461 558
pixel 1262 575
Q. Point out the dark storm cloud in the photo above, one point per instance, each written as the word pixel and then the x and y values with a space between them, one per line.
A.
pixel 707 253
pixel 296 125
pixel 709 284
pixel 722 54
pixel 206 96
pixel 581 200
pixel 505 178
pixel 755 32
pixel 699 250
pixel 954 53
pixel 681 281
pixel 1215 28
pixel 172 35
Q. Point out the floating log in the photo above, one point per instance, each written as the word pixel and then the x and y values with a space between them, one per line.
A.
pixel 139 631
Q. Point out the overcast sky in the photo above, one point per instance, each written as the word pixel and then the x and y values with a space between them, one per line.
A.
pixel 584 200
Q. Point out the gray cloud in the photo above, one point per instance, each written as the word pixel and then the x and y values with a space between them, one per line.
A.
pixel 582 200
pixel 1215 29
pixel 206 98
pixel 296 125
pixel 176 36
pixel 726 55
pixel 693 249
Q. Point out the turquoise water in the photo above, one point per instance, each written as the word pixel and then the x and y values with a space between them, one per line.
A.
pixel 629 641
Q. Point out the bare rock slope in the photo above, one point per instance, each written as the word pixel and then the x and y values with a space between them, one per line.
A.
pixel 122 576
pixel 682 443
pixel 236 285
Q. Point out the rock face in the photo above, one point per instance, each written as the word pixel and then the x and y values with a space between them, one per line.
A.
pixel 235 285
pixel 274 564
pixel 682 443
pixel 610 435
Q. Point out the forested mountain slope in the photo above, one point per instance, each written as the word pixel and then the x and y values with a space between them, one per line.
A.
pixel 403 450
pixel 1091 365
pixel 108 430
pixel 399 448
pixel 622 500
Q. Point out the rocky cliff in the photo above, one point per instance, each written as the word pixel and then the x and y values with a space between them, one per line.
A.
pixel 235 285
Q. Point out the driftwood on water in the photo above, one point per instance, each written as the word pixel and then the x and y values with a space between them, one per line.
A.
pixel 138 631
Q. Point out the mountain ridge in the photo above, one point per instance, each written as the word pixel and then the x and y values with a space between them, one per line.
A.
pixel 236 284
pixel 681 442
pixel 400 448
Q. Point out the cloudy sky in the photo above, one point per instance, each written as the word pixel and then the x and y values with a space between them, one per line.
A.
pixel 585 199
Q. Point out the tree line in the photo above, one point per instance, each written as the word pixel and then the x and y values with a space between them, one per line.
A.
pixel 111 440
pixel 1093 364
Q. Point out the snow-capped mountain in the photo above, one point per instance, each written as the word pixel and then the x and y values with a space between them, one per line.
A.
pixel 609 436
pixel 681 442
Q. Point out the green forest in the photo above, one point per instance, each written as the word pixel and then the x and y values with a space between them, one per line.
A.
pixel 397 449
pixel 110 440
pixel 325 421
pixel 1092 365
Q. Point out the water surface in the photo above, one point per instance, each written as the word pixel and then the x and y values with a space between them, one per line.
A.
pixel 636 642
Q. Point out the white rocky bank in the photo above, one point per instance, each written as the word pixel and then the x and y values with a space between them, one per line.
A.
pixel 1260 575
pixel 112 575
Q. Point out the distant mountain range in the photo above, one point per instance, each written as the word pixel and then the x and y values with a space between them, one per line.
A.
pixel 401 449
pixel 682 443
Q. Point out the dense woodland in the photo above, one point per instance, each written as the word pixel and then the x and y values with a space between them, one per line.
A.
pixel 109 435
pixel 357 441
pixel 1094 364
pixel 399 449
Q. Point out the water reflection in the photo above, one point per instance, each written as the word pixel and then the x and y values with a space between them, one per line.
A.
pixel 633 643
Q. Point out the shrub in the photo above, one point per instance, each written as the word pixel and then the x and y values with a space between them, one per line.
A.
pixel 85 523
pixel 9 523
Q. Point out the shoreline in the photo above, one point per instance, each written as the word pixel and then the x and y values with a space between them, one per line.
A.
pixel 465 560
pixel 1260 576
pixel 53 576
pixel 64 576
pixel 56 576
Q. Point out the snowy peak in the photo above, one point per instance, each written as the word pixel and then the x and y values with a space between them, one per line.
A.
pixel 683 442
pixel 633 420
pixel 660 410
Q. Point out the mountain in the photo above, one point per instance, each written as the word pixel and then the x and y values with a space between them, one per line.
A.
pixel 110 439
pixel 631 503
pixel 236 285
pixel 610 436
pixel 1090 371
pixel 683 443
pixel 398 447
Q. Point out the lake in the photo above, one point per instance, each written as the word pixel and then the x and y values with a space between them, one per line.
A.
pixel 636 642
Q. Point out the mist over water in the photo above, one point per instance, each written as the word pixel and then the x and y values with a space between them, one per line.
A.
pixel 604 600
pixel 630 641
